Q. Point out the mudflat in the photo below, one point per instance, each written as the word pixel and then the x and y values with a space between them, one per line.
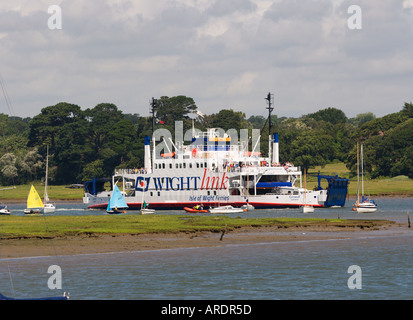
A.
pixel 108 243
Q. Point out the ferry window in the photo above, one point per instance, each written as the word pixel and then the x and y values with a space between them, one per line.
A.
pixel 184 165
pixel 159 193
pixel 208 193
pixel 201 165
pixel 151 193
pixel 215 193
pixel 190 165
pixel 197 164
pixel 176 166
pixel 205 165
pixel 156 166
pixel 180 165
pixel 170 166
pixel 163 165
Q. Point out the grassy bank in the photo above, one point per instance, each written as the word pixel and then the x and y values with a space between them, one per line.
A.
pixel 20 193
pixel 61 226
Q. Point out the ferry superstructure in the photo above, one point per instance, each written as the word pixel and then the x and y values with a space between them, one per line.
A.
pixel 213 171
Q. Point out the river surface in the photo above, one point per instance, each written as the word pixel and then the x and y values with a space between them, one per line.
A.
pixel 304 269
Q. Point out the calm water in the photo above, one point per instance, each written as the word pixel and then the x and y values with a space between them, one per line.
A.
pixel 277 270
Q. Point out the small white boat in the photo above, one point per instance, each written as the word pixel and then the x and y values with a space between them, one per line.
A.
pixel 248 207
pixel 4 210
pixel 226 209
pixel 33 211
pixel 147 211
pixel 49 208
pixel 307 209
pixel 366 206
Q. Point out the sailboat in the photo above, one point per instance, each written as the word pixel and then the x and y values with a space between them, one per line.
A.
pixel 247 205
pixel 306 208
pixel 145 209
pixel 4 210
pixel 34 202
pixel 117 203
pixel 366 205
pixel 145 205
pixel 48 207
pixel 3 207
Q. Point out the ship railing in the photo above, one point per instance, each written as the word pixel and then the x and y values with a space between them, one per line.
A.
pixel 120 172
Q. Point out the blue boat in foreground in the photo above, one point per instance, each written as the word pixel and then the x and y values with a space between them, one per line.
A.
pixel 63 297
pixel 117 203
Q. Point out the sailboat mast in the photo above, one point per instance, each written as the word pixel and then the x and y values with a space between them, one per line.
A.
pixel 358 174
pixel 362 170
pixel 305 186
pixel 46 198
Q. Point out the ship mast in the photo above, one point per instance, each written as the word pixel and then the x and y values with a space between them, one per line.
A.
pixel 270 99
pixel 153 108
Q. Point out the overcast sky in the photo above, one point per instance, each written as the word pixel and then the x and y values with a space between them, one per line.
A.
pixel 223 54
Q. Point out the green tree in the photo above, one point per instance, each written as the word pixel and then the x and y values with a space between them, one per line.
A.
pixel 8 168
pixel 393 149
pixel 93 170
pixel 408 110
pixel 63 127
pixel 228 119
pixel 362 118
pixel 169 110
pixel 102 120
pixel 332 115
pixel 312 149
pixel 31 163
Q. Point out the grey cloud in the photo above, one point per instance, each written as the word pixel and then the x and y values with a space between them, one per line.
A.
pixel 221 8
pixel 301 50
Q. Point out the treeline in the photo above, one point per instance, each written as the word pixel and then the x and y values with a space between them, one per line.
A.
pixel 84 144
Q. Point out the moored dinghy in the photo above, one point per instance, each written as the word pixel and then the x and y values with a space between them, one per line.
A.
pixel 146 210
pixel 4 210
pixel 366 205
pixel 226 209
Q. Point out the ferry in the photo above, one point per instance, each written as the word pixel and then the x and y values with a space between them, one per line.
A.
pixel 214 171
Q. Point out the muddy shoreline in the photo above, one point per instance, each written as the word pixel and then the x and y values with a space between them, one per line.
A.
pixel 95 244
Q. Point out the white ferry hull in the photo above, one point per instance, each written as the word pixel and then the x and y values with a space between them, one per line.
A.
pixel 208 200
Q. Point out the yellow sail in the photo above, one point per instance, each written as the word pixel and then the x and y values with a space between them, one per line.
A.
pixel 34 200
